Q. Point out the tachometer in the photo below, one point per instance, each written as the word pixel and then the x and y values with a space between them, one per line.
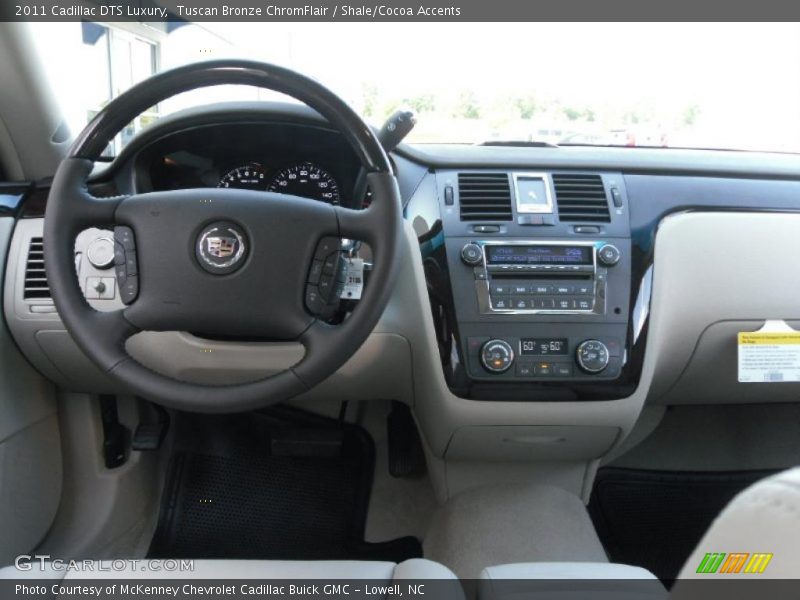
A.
pixel 246 177
pixel 307 180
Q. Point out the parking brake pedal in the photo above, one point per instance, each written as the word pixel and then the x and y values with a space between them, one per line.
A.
pixel 149 436
pixel 405 448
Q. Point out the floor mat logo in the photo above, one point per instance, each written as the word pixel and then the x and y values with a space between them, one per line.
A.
pixel 734 563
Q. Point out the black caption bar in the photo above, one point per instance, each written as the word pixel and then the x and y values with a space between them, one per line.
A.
pixel 396 10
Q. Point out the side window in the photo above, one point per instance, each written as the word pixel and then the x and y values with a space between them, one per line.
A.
pixel 120 59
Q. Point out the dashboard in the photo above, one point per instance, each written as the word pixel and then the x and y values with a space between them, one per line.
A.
pixel 540 288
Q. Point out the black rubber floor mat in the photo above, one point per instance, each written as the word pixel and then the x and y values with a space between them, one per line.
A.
pixel 277 485
pixel 655 519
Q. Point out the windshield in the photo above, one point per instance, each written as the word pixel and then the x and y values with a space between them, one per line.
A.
pixel 728 86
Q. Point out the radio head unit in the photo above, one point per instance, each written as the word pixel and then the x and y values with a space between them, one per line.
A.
pixel 549 277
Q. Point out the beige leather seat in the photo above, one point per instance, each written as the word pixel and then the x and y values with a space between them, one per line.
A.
pixel 763 519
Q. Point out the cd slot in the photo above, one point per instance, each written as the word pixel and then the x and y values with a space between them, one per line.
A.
pixel 553 275
pixel 544 270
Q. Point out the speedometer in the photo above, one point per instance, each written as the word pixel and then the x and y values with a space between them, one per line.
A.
pixel 307 180
pixel 246 177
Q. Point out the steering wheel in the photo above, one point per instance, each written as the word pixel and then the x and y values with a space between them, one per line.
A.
pixel 221 261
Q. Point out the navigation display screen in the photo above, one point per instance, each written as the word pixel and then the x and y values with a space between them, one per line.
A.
pixel 539 255
pixel 543 346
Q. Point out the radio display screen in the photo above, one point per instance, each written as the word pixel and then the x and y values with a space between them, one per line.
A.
pixel 538 255
pixel 543 346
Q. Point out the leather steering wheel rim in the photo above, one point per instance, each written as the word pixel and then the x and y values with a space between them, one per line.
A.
pixel 301 223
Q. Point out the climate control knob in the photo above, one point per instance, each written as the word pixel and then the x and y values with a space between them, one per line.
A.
pixel 497 356
pixel 608 255
pixel 592 356
pixel 472 254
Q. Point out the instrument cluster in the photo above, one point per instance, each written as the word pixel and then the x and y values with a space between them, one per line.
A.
pixel 305 179
pixel 285 158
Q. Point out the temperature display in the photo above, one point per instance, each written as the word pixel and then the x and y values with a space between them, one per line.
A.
pixel 543 346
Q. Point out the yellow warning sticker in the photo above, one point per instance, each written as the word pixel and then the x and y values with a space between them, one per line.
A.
pixel 770 355
pixel 774 337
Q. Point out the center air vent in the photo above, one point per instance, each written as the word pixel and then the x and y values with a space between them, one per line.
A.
pixel 35 277
pixel 581 197
pixel 484 196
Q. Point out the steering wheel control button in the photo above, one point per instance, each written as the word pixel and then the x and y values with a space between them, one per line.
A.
pixel 592 356
pixel 327 246
pixel 314 301
pixel 326 277
pixel 315 272
pixel 497 356
pixel 100 253
pixel 124 235
pixel 221 247
pixel 100 288
pixel 471 254
pixel 126 266
pixel 129 290
pixel 608 255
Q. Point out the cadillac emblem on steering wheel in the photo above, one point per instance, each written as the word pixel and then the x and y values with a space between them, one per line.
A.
pixel 221 247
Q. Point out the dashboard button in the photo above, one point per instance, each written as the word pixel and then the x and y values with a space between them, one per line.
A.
pixel 563 289
pixel 501 303
pixel 583 304
pixel 499 289
pixel 543 370
pixel 545 303
pixel 519 289
pixel 524 370
pixel 562 370
pixel 584 288
pixel 564 304
pixel 541 289
pixel 518 303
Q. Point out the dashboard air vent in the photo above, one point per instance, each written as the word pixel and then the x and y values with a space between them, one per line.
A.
pixel 581 197
pixel 484 196
pixel 35 277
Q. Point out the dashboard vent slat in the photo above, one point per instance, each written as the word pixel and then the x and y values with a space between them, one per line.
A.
pixel 35 276
pixel 484 196
pixel 581 197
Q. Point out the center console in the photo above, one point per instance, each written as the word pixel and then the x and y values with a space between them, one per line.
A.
pixel 534 274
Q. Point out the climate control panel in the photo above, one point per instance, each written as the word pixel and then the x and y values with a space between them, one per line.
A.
pixel 545 358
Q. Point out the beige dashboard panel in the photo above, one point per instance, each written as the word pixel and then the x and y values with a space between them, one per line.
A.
pixel 717 273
